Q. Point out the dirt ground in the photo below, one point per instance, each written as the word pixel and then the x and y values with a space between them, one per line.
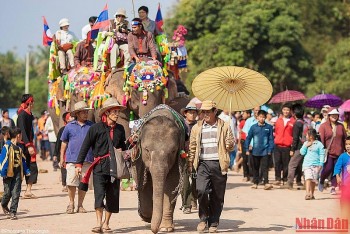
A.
pixel 245 210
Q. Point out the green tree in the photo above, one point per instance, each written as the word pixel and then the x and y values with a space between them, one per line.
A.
pixel 333 75
pixel 12 72
pixel 261 35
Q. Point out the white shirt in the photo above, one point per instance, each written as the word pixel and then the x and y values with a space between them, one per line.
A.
pixel 50 129
pixel 84 31
pixel 65 36
pixel 285 120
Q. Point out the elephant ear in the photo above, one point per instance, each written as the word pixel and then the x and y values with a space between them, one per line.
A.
pixel 172 87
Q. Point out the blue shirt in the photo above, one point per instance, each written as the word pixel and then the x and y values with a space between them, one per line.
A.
pixel 341 166
pixel 313 155
pixel 262 136
pixel 74 134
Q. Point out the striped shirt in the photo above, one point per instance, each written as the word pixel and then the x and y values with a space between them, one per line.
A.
pixel 209 142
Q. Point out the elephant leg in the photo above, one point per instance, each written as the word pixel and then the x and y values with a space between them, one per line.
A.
pixel 145 200
pixel 172 181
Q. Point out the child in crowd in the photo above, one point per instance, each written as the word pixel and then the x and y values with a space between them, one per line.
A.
pixel 313 152
pixel 342 172
pixel 263 144
pixel 13 167
pixel 5 132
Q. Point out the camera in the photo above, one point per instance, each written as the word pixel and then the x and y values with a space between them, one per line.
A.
pixel 123 28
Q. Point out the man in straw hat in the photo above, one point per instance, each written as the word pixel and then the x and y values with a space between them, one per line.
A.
pixel 72 139
pixel 210 143
pixel 104 166
pixel 120 27
pixel 189 193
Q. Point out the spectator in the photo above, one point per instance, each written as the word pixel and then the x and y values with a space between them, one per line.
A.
pixel 25 123
pixel 72 139
pixel 332 134
pixel 283 142
pixel 313 152
pixel 6 120
pixel 13 168
pixel 263 144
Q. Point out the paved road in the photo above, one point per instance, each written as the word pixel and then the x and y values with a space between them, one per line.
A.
pixel 245 210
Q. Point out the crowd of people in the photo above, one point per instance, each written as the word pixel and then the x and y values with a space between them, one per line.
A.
pixel 130 44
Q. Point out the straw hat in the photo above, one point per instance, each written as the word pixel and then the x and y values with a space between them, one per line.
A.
pixel 208 105
pixel 79 106
pixel 120 11
pixel 110 103
pixel 63 22
pixel 190 106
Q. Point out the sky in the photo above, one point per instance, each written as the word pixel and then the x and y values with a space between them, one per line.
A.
pixel 22 26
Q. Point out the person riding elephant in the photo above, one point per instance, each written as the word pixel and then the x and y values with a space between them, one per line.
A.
pixel 141 43
pixel 84 54
pixel 64 40
pixel 120 27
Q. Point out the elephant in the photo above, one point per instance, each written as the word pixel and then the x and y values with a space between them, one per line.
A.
pixel 114 86
pixel 159 167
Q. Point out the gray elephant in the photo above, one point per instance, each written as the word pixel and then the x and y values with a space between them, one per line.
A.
pixel 159 166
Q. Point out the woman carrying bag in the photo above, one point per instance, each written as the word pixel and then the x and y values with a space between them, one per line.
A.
pixel 332 134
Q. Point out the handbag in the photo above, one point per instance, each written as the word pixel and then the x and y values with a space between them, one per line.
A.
pixel 121 162
pixel 328 147
pixel 67 46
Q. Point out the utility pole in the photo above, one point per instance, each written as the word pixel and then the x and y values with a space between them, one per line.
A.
pixel 26 89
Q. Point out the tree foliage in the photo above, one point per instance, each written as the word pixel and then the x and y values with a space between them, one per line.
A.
pixel 12 75
pixel 285 40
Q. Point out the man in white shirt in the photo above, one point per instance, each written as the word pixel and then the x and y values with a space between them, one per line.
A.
pixel 87 28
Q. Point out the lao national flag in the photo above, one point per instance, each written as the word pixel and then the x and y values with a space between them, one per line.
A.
pixel 47 35
pixel 102 23
pixel 159 20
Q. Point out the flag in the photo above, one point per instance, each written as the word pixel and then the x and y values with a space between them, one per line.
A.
pixel 47 35
pixel 102 23
pixel 159 20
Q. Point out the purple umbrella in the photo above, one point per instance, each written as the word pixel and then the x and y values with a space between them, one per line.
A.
pixel 320 100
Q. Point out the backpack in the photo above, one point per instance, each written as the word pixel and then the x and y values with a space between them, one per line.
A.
pixel 305 130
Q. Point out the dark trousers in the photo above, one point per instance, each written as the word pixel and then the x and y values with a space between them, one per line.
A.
pixel 247 170
pixel 328 169
pixel 12 189
pixel 294 167
pixel 189 192
pixel 103 188
pixel 260 163
pixel 281 159
pixel 211 186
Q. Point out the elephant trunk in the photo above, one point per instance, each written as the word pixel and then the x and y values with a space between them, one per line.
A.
pixel 159 174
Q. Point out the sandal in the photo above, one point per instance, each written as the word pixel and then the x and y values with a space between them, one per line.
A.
pixel 307 197
pixel 81 210
pixel 107 230
pixel 29 196
pixel 96 229
pixel 70 209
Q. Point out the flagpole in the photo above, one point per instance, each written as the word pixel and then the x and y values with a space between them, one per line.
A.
pixel 26 87
pixel 133 8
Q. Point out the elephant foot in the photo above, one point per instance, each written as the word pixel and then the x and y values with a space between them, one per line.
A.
pixel 145 219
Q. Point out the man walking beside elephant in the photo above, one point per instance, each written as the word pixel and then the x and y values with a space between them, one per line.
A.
pixel 106 186
pixel 210 143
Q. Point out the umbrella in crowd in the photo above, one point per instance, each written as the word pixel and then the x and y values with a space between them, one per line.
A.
pixel 345 106
pixel 320 100
pixel 232 88
pixel 287 96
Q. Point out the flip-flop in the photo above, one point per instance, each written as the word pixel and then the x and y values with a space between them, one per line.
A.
pixel 96 229
pixel 31 196
pixel 106 230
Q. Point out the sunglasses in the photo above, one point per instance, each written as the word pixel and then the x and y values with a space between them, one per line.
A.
pixel 120 16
